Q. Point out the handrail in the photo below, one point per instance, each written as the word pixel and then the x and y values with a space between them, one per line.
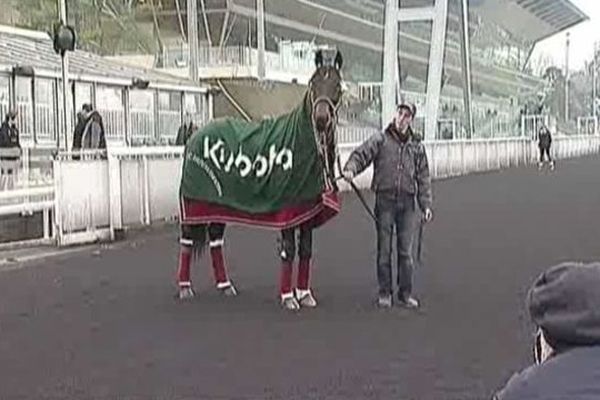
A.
pixel 29 192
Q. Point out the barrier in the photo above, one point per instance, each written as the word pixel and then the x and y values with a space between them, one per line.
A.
pixel 99 195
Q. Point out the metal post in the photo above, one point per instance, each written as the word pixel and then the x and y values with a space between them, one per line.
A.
pixel 260 29
pixel 192 20
pixel 390 57
pixel 65 82
pixel 466 67
pixel 436 63
pixel 594 76
pixel 127 108
pixel 567 78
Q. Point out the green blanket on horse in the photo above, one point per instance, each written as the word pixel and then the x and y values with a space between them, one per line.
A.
pixel 267 173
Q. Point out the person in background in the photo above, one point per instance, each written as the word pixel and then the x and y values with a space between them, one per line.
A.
pixel 94 136
pixel 544 143
pixel 564 304
pixel 9 132
pixel 82 117
pixel 185 131
pixel 9 141
pixel 89 133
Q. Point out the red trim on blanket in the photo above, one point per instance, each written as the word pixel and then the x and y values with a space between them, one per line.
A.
pixel 315 213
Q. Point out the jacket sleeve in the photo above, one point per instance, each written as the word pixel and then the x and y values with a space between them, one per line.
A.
pixel 77 138
pixel 424 195
pixel 102 141
pixel 3 136
pixel 364 155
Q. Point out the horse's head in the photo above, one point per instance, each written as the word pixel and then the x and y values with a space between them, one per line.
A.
pixel 324 96
pixel 325 93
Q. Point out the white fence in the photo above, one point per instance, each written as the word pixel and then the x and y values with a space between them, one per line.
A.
pixel 461 157
pixel 92 198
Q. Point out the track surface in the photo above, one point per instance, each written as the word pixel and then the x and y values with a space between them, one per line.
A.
pixel 106 326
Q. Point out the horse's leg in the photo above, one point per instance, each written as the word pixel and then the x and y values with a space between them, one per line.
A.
pixel 186 250
pixel 286 252
pixel 216 237
pixel 303 291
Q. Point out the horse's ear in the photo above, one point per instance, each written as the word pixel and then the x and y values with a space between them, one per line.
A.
pixel 339 61
pixel 319 58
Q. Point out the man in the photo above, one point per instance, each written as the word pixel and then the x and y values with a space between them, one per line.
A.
pixel 93 133
pixel 544 143
pixel 9 133
pixel 89 132
pixel 9 139
pixel 82 117
pixel 401 176
pixel 563 304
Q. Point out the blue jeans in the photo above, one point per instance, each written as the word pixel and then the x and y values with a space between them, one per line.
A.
pixel 399 211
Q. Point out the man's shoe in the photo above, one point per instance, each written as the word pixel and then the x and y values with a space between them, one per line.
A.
pixel 408 302
pixel 384 301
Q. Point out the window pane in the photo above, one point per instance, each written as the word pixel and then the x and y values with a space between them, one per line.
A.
pixel 24 108
pixel 4 96
pixel 169 109
pixel 142 115
pixel 44 109
pixel 197 106
pixel 83 95
pixel 109 103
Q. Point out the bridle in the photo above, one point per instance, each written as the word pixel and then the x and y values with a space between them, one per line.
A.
pixel 329 132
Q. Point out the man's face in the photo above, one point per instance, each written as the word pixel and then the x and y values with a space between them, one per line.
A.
pixel 403 119
pixel 13 121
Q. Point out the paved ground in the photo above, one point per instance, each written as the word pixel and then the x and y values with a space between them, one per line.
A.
pixel 104 325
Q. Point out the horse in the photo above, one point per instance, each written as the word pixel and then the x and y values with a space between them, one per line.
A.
pixel 321 102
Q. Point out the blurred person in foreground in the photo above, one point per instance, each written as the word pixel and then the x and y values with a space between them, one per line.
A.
pixel 564 304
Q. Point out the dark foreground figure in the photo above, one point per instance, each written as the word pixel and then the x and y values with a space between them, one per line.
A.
pixel 564 303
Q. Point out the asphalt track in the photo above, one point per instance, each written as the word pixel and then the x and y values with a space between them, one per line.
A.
pixel 104 324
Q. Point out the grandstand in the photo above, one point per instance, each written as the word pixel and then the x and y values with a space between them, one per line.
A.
pixel 502 35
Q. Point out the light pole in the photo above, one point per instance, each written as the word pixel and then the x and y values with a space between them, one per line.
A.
pixel 567 78
pixel 192 21
pixel 64 40
pixel 260 31
pixel 593 88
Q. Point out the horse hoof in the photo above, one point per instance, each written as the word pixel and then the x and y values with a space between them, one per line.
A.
pixel 229 291
pixel 186 293
pixel 290 304
pixel 306 299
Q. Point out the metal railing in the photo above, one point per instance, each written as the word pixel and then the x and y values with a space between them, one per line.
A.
pixel 26 167
pixel 531 124
pixel 114 124
pixel 224 56
pixel 587 125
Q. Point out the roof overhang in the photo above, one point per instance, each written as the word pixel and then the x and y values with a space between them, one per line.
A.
pixel 532 20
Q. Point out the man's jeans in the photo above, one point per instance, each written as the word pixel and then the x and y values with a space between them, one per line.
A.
pixel 395 210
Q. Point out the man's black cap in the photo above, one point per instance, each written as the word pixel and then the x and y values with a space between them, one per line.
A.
pixel 565 303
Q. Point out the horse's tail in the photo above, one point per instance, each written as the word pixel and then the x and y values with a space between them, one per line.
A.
pixel 200 238
pixel 196 237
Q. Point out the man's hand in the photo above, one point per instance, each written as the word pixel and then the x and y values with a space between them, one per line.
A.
pixel 348 175
pixel 427 215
